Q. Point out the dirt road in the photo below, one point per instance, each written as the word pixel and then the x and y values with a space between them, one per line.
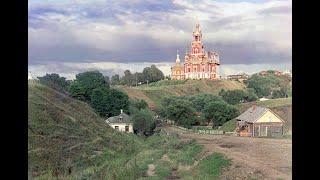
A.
pixel 252 158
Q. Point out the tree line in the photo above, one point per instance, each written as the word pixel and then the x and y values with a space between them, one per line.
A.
pixel 269 85
pixel 94 88
pixel 148 75
pixel 202 109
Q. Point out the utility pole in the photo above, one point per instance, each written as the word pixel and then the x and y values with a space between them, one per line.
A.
pixel 147 83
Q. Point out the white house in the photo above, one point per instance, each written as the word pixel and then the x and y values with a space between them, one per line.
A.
pixel 122 122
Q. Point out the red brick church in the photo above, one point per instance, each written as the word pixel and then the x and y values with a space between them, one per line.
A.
pixel 198 64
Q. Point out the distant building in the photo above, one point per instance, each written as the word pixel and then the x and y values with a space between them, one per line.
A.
pixel 277 73
pixel 238 77
pixel 288 73
pixel 122 122
pixel 263 99
pixel 198 64
pixel 258 122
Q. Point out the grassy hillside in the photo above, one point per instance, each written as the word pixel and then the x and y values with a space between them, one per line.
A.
pixel 154 92
pixel 67 140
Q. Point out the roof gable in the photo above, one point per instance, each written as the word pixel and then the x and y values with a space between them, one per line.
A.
pixel 270 116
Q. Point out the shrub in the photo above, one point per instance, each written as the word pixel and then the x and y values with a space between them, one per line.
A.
pixel 143 121
pixel 220 112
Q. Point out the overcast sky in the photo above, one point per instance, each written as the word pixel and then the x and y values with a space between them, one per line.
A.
pixel 71 36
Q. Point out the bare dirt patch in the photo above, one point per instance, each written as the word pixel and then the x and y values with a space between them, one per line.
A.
pixel 252 158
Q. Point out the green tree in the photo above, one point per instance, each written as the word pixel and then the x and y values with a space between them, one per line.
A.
pixel 237 96
pixel 220 112
pixel 263 84
pixel 85 83
pixel 117 100
pixel 152 74
pixel 139 103
pixel 115 79
pixel 182 112
pixel 200 100
pixel 55 81
pixel 233 96
pixel 99 101
pixel 108 102
pixel 128 78
pixel 143 121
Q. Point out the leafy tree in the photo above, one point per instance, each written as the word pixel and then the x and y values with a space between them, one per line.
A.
pixel 115 79
pixel 117 100
pixel 128 78
pixel 251 95
pixel 237 96
pixel 85 83
pixel 152 74
pixel 55 81
pixel 233 96
pixel 182 112
pixel 139 104
pixel 108 102
pixel 263 84
pixel 99 101
pixel 220 112
pixel 143 121
pixel 200 100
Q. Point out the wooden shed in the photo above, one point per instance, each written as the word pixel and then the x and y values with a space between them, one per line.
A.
pixel 259 122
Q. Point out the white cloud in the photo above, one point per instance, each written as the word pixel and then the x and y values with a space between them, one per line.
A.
pixel 141 33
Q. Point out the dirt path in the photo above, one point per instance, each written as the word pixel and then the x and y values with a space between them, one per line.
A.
pixel 258 158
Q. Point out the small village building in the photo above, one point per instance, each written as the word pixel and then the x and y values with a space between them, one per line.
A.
pixel 122 122
pixel 259 122
pixel 238 77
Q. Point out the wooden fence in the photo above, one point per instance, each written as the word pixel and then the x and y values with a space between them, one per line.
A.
pixel 204 131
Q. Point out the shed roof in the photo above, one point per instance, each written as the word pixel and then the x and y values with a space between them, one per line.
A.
pixel 121 118
pixel 252 114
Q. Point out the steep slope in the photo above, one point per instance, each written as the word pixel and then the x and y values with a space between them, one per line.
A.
pixel 66 138
pixel 154 92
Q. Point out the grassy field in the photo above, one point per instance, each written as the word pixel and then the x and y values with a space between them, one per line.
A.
pixel 154 92
pixel 68 140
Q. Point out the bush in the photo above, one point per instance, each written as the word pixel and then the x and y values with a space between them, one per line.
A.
pixel 55 82
pixel 85 83
pixel 200 100
pixel 237 96
pixel 182 112
pixel 143 121
pixel 220 112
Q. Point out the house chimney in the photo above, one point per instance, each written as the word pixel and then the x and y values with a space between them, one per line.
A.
pixel 121 111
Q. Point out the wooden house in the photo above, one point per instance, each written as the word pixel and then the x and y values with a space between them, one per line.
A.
pixel 258 122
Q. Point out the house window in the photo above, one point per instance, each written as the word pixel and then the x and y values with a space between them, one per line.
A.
pixel 116 127
pixel 127 128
